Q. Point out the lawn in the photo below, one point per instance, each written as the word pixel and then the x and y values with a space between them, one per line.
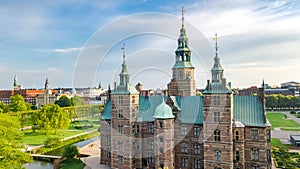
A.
pixel 72 164
pixel 277 143
pixel 39 137
pixel 85 124
pixel 76 127
pixel 278 120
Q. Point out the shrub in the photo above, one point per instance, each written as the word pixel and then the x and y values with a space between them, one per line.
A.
pixel 70 151
pixel 293 112
pixel 52 141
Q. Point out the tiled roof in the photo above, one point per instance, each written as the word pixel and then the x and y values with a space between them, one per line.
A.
pixel 106 114
pixel 191 110
pixel 248 110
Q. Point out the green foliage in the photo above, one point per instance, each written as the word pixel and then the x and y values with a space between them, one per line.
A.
pixel 10 144
pixel 284 158
pixel 76 101
pixel 293 112
pixel 50 117
pixel 71 164
pixel 4 108
pixel 70 151
pixel 280 101
pixel 46 150
pixel 63 101
pixel 17 103
pixel 52 141
pixel 33 107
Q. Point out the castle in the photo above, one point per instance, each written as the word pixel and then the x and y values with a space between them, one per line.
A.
pixel 217 130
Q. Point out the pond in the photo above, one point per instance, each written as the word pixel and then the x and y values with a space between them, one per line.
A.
pixel 38 165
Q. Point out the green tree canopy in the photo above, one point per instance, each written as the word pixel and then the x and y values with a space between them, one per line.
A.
pixel 4 108
pixel 10 143
pixel 281 101
pixel 76 101
pixel 70 151
pixel 50 117
pixel 63 101
pixel 17 103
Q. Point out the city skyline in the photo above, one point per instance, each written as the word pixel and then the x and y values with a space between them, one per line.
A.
pixel 257 40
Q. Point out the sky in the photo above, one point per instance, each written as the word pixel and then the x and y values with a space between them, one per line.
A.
pixel 78 43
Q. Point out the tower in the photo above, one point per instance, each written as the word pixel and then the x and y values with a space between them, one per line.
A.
pixel 47 93
pixel 182 82
pixel 16 87
pixel 217 119
pixel 125 101
pixel 164 134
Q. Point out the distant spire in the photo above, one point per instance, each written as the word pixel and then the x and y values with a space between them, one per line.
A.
pixel 123 49
pixel 216 41
pixel 124 76
pixel 15 81
pixel 182 16
pixel 217 70
pixel 47 86
pixel 16 87
pixel 99 86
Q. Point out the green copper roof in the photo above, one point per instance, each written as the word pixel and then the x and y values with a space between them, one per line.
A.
pixel 106 113
pixel 217 88
pixel 121 89
pixel 163 111
pixel 147 106
pixel 217 65
pixel 177 102
pixel 183 64
pixel 191 110
pixel 249 110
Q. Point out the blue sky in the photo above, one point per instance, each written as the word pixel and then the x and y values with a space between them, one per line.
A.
pixel 258 40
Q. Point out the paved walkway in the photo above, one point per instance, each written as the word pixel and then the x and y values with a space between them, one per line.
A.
pixel 93 161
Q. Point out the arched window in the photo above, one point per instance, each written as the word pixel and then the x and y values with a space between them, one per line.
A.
pixel 218 156
pixel 217 135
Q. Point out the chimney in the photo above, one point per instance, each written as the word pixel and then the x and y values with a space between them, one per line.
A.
pixel 208 84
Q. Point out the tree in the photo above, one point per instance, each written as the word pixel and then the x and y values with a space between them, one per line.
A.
pixel 10 135
pixel 3 108
pixel 17 103
pixel 76 101
pixel 50 117
pixel 63 101
pixel 70 151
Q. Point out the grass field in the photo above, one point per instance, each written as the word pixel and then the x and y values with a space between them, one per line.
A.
pixel 278 120
pixel 276 142
pixel 39 137
pixel 76 127
pixel 72 164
